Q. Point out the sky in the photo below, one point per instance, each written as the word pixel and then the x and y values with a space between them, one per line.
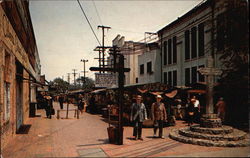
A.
pixel 64 37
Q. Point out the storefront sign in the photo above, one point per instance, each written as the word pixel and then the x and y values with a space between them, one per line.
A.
pixel 105 80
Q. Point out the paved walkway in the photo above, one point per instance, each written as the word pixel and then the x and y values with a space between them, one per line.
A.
pixel 87 137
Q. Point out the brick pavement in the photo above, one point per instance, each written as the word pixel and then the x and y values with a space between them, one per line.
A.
pixel 87 137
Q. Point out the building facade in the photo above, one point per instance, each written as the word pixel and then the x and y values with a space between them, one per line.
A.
pixel 149 64
pixel 187 42
pixel 131 50
pixel 19 67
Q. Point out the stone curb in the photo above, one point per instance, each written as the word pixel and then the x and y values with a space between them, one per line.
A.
pixel 220 130
pixel 236 135
pixel 174 134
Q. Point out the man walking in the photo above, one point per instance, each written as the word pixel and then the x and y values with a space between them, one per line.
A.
pixel 159 115
pixel 137 116
pixel 61 100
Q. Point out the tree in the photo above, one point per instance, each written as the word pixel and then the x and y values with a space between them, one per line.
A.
pixel 88 83
pixel 235 77
pixel 59 85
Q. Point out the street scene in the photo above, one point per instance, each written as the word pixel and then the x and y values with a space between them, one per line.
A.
pixel 124 78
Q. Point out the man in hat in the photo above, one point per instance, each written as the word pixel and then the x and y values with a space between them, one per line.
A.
pixel 137 116
pixel 159 115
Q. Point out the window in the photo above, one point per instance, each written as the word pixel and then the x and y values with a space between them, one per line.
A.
pixel 200 76
pixel 175 78
pixel 201 39
pixel 174 50
pixel 136 80
pixel 169 51
pixel 194 42
pixel 6 101
pixel 194 74
pixel 165 53
pixel 149 67
pixel 165 78
pixel 187 45
pixel 142 69
pixel 187 76
pixel 170 78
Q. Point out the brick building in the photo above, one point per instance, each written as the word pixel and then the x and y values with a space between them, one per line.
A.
pixel 19 67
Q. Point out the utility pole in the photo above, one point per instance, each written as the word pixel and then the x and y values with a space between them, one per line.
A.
pixel 84 71
pixel 103 35
pixel 74 73
pixel 120 69
pixel 68 78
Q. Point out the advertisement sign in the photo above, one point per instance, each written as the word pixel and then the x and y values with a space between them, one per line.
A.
pixel 105 80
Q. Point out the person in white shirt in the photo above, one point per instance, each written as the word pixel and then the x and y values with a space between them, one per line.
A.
pixel 197 108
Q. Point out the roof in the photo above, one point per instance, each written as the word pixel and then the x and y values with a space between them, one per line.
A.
pixel 200 6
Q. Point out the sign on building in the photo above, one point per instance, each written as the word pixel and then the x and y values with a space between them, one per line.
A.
pixel 105 80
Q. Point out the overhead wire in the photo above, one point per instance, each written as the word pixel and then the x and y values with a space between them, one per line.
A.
pixel 89 22
pixel 97 12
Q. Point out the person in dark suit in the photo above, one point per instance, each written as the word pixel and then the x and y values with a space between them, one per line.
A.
pixel 137 116
pixel 191 112
pixel 61 100
pixel 159 115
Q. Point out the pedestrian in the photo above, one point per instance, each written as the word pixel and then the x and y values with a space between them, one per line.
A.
pixel 61 100
pixel 178 111
pixel 137 116
pixel 80 103
pixel 159 115
pixel 191 112
pixel 197 108
pixel 221 108
pixel 48 105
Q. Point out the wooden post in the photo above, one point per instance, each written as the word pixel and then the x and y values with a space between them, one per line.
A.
pixel 121 95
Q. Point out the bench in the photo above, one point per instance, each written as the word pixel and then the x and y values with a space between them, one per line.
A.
pixel 76 114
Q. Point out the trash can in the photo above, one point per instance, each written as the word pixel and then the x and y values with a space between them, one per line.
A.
pixel 112 133
pixel 32 111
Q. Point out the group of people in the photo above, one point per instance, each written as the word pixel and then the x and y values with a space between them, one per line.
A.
pixel 159 116
pixel 139 114
pixel 47 103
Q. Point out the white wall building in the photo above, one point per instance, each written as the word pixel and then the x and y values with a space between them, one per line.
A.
pixel 187 42
pixel 130 50
pixel 149 65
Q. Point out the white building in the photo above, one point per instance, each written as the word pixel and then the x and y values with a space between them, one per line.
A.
pixel 187 42
pixel 130 50
pixel 149 65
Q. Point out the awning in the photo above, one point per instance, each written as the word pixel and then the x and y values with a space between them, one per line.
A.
pixel 171 94
pixel 98 90
pixel 196 91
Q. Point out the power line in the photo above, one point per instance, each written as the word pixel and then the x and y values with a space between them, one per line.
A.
pixel 89 22
pixel 97 12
